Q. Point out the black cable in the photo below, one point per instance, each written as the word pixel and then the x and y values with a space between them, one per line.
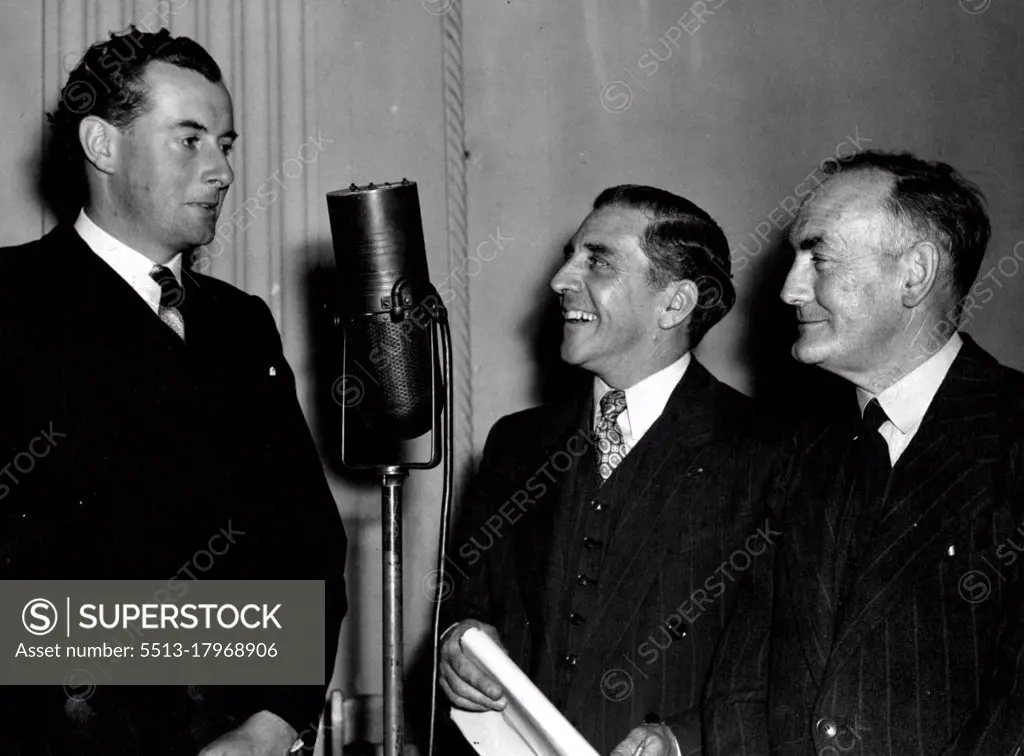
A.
pixel 446 503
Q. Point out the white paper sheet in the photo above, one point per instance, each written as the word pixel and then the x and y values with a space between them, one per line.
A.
pixel 529 726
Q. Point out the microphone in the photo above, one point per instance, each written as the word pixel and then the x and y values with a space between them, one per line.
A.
pixel 393 321
pixel 388 304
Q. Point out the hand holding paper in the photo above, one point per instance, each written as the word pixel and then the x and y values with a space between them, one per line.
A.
pixel 468 686
pixel 529 725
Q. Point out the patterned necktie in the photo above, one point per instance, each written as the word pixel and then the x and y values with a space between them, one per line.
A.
pixel 171 297
pixel 611 446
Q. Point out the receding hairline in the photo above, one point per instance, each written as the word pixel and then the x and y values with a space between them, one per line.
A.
pixel 903 230
pixel 882 184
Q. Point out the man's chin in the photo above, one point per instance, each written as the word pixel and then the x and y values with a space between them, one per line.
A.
pixel 571 355
pixel 807 354
pixel 567 355
pixel 202 237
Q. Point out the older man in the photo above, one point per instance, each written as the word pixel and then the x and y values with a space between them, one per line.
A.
pixel 897 616
pixel 172 410
pixel 606 534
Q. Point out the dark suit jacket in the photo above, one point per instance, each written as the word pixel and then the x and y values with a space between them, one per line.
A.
pixel 162 445
pixel 675 526
pixel 925 656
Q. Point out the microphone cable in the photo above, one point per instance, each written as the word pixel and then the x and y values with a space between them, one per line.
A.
pixel 446 505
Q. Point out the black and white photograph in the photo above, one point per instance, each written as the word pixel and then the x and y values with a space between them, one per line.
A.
pixel 512 378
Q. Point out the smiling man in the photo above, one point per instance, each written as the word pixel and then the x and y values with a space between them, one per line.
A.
pixel 896 626
pixel 176 448
pixel 621 511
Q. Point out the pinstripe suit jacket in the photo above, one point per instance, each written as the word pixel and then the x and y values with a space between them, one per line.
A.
pixel 925 656
pixel 644 626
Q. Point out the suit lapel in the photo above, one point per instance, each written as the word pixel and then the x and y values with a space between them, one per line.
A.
pixel 809 554
pixel 934 489
pixel 540 560
pixel 205 334
pixel 105 311
pixel 667 469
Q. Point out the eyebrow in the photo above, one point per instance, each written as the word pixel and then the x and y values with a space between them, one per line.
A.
pixel 188 123
pixel 596 247
pixel 811 242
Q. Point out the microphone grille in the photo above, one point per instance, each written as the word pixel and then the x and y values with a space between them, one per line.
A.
pixel 399 392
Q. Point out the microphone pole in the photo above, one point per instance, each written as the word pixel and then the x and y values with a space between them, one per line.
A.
pixel 378 243
pixel 392 479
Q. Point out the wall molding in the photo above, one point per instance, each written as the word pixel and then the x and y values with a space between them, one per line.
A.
pixel 458 247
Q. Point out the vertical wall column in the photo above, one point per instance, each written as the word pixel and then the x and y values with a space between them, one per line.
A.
pixel 458 247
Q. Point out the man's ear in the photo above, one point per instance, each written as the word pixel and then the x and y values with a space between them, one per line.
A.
pixel 682 302
pixel 99 139
pixel 919 268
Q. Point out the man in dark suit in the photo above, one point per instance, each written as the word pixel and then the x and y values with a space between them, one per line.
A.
pixel 605 535
pixel 175 448
pixel 898 605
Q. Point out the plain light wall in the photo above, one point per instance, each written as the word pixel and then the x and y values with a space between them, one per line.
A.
pixel 562 100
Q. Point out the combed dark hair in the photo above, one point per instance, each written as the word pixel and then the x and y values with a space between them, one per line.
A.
pixel 108 82
pixel 681 242
pixel 938 203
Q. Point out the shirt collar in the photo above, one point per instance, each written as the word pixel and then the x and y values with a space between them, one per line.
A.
pixel 646 400
pixel 906 401
pixel 134 267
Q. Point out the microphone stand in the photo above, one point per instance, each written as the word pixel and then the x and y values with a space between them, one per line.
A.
pixel 393 477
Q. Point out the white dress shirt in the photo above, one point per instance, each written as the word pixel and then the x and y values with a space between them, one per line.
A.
pixel 134 267
pixel 645 401
pixel 906 401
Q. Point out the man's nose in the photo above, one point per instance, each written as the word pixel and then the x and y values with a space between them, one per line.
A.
pixel 797 289
pixel 219 171
pixel 566 278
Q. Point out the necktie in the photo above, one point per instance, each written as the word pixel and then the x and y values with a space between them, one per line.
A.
pixel 871 476
pixel 611 446
pixel 172 295
pixel 873 453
